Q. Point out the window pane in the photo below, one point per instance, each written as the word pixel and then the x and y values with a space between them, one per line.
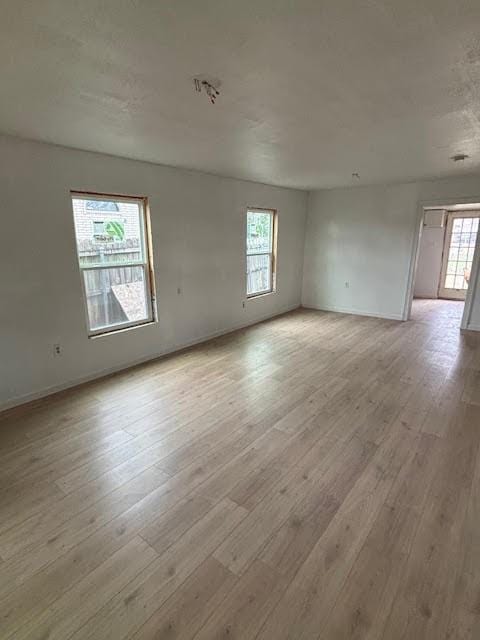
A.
pixel 465 239
pixel 452 267
pixel 115 296
pixel 108 231
pixel 259 232
pixel 453 254
pixel 449 282
pixel 461 266
pixel 460 282
pixel 259 277
pixel 455 242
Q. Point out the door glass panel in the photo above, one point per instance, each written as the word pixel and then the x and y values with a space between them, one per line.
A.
pixel 449 282
pixel 453 254
pixel 460 253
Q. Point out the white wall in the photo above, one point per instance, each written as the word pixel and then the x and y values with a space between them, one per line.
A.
pixel 198 240
pixel 365 236
pixel 361 237
pixel 427 278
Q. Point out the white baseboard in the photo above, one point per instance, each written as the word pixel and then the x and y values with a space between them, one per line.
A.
pixel 473 327
pixel 101 373
pixel 354 312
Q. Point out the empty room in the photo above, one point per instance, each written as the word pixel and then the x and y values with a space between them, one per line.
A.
pixel 240 320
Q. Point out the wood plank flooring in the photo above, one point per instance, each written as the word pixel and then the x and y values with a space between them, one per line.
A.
pixel 314 477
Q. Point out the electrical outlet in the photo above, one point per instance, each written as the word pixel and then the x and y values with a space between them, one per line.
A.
pixel 243 304
pixel 347 285
pixel 57 350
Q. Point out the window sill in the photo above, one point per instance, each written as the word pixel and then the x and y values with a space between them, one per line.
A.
pixel 261 295
pixel 103 334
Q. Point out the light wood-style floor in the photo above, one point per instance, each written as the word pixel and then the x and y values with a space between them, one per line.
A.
pixel 313 477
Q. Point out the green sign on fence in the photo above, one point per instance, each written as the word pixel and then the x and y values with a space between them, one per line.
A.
pixel 111 231
pixel 115 230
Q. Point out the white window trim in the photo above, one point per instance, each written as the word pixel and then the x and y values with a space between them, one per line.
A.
pixel 272 253
pixel 146 264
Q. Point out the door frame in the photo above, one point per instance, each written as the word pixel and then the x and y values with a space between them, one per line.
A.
pixel 451 216
pixel 444 203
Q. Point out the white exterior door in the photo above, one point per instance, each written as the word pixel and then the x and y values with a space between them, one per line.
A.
pixel 460 240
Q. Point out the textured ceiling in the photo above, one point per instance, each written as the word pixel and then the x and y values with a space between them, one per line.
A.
pixel 311 91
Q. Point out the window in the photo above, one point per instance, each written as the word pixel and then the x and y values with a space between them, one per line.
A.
pixel 115 261
pixel 260 251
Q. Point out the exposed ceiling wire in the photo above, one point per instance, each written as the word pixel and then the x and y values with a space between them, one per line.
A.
pixel 203 85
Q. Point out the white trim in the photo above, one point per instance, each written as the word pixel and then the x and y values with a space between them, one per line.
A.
pixel 145 264
pixel 101 373
pixel 104 197
pixel 272 253
pixel 355 312
pixel 412 269
pixel 472 286
pixel 472 327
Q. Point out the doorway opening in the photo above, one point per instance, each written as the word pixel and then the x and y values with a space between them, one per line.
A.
pixel 446 263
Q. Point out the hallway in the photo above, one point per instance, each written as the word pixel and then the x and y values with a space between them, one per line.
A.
pixel 437 312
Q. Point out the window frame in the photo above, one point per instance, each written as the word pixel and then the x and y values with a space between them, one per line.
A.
pixel 146 263
pixel 272 253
